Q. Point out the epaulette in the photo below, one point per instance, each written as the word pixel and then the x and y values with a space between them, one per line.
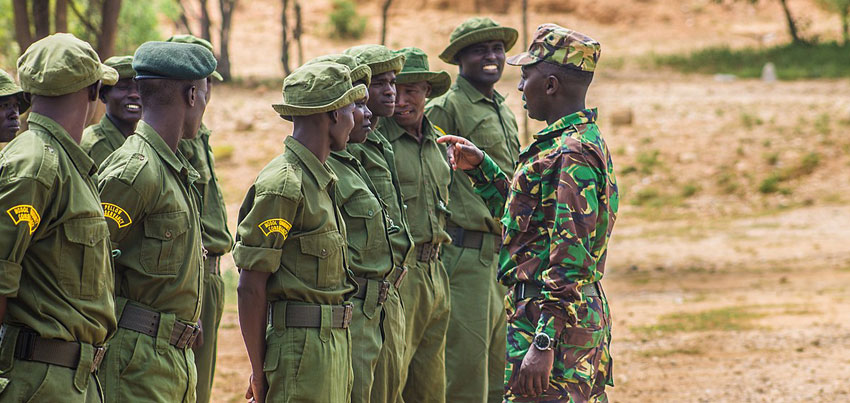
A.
pixel 132 168
pixel 29 156
pixel 440 129
pixel 283 180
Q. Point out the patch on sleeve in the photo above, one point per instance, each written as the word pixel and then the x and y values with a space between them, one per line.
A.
pixel 440 129
pixel 278 225
pixel 25 213
pixel 117 214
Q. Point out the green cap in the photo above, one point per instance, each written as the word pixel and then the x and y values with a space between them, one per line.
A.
pixel 477 30
pixel 172 60
pixel 184 38
pixel 416 70
pixel 8 87
pixel 316 88
pixel 379 58
pixel 61 64
pixel 359 71
pixel 560 46
pixel 123 65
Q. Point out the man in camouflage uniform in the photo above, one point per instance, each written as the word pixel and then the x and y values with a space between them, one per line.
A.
pixel 216 238
pixel 291 249
pixel 12 103
pixel 56 280
pixel 152 206
pixel 377 158
pixel 473 109
pixel 557 212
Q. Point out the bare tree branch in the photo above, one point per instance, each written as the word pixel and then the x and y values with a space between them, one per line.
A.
pixel 83 19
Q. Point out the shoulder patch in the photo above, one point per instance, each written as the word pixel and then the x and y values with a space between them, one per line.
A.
pixel 440 130
pixel 273 225
pixel 25 213
pixel 117 214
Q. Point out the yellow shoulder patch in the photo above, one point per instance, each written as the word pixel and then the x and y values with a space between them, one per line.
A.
pixel 25 213
pixel 440 129
pixel 117 214
pixel 278 225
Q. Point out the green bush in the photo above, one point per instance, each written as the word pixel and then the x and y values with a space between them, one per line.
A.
pixel 345 23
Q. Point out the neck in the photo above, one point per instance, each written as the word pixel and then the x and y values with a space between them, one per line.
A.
pixel 486 89
pixel 308 133
pixel 125 127
pixel 167 122
pixel 375 121
pixel 566 108
pixel 67 110
pixel 416 129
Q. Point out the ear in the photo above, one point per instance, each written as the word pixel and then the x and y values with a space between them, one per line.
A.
pixel 94 89
pixel 334 115
pixel 427 89
pixel 552 85
pixel 191 95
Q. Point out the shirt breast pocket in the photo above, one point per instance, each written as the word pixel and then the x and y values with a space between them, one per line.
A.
pixel 364 225
pixel 165 242
pixel 487 133
pixel 86 268
pixel 321 261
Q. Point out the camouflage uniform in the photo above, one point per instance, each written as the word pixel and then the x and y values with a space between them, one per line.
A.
pixel 558 212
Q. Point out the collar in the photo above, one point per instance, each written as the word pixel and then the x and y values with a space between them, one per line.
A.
pixel 320 171
pixel 84 164
pixel 392 131
pixel 582 117
pixel 110 132
pixel 463 85
pixel 149 134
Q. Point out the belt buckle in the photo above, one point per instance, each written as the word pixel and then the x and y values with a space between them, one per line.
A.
pixel 400 277
pixel 99 353
pixel 383 290
pixel 187 336
pixel 348 310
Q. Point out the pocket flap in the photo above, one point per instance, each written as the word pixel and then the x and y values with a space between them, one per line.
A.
pixel 321 245
pixel 583 337
pixel 363 207
pixel 166 226
pixel 86 231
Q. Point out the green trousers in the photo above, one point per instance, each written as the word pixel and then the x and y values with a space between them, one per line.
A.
pixel 211 311
pixel 426 300
pixel 475 341
pixel 307 364
pixel 386 384
pixel 137 365
pixel 31 381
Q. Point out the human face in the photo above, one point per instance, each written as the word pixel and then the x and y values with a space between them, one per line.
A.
pixel 362 121
pixel 532 84
pixel 382 94
pixel 9 117
pixel 483 62
pixel 410 104
pixel 123 102
pixel 341 128
pixel 195 113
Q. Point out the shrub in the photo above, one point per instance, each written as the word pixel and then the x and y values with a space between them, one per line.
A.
pixel 345 23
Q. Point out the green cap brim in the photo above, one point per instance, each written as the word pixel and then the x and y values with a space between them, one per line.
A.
pixel 216 76
pixel 109 75
pixel 440 81
pixel 361 73
pixel 395 65
pixel 505 34
pixel 285 110
pixel 23 101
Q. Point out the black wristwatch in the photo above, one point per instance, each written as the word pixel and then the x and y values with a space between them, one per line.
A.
pixel 543 342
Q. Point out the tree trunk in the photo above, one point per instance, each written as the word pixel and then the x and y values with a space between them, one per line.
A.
pixel 524 44
pixel 792 25
pixel 284 48
pixel 296 34
pixel 845 25
pixel 108 28
pixel 385 10
pixel 183 20
pixel 23 35
pixel 41 18
pixel 227 7
pixel 61 19
pixel 205 21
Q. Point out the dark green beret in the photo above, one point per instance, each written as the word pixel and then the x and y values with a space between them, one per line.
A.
pixel 173 60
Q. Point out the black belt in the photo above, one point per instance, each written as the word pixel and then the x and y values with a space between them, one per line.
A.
pixel 147 322
pixel 364 283
pixel 397 276
pixel 310 315
pixel 525 290
pixel 31 347
pixel 464 238
pixel 213 264
pixel 427 251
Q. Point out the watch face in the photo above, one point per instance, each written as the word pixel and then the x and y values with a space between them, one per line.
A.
pixel 542 341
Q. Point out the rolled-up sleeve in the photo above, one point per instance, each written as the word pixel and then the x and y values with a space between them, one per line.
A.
pixel 265 219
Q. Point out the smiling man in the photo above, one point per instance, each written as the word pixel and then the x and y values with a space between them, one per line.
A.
pixel 473 109
pixel 123 111
pixel 12 103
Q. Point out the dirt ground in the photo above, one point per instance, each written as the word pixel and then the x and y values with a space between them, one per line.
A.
pixel 722 288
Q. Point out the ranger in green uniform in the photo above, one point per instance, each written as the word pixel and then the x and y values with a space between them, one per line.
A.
pixel 376 157
pixel 475 342
pixel 424 177
pixel 13 101
pixel 216 238
pixel 56 281
pixel 152 207
pixel 291 249
pixel 123 111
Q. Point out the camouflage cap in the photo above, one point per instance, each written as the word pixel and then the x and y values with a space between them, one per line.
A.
pixel 185 38
pixel 379 58
pixel 561 46
pixel 416 70
pixel 316 88
pixel 171 60
pixel 359 70
pixel 8 88
pixel 476 30
pixel 61 64
pixel 123 65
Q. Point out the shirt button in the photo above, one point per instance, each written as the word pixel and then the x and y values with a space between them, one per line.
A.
pixel 168 234
pixel 324 252
pixel 371 213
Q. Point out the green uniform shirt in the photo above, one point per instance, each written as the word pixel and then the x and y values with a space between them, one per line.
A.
pixel 290 227
pixel 377 158
pixel 370 254
pixel 216 236
pixel 101 139
pixel 424 177
pixel 55 264
pixel 490 125
pixel 151 206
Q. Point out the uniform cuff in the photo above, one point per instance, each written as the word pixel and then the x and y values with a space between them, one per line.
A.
pixel 10 278
pixel 256 258
pixel 485 172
